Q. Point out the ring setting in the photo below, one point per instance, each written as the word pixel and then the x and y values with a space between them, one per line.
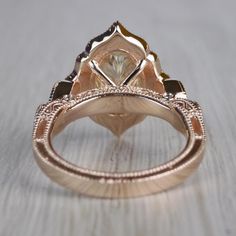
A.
pixel 118 81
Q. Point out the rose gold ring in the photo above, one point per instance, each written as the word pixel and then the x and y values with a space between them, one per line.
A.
pixel 117 81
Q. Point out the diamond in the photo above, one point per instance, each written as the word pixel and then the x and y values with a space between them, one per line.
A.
pixel 117 65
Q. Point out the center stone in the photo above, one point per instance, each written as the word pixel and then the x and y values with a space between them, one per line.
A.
pixel 117 65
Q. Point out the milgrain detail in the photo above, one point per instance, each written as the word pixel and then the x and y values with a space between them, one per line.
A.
pixel 197 45
pixel 190 109
pixel 186 107
pixel 118 184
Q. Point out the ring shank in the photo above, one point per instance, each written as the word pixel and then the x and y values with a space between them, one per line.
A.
pixel 119 105
pixel 105 184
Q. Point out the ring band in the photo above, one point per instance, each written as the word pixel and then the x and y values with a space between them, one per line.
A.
pixel 183 114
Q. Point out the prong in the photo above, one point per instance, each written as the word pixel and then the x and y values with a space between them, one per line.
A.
pixel 135 72
pixel 95 67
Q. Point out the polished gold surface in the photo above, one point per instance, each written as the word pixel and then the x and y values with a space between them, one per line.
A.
pixel 117 57
pixel 117 81
pixel 183 114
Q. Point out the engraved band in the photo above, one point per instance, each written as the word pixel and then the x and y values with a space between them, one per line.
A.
pixel 185 115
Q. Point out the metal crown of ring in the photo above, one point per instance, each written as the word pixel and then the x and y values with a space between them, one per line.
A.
pixel 117 81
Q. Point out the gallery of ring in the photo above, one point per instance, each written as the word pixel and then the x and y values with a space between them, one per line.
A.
pixel 116 82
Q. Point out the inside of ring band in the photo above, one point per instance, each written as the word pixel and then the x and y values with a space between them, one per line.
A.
pixel 117 104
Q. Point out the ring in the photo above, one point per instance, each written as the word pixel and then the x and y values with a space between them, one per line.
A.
pixel 118 81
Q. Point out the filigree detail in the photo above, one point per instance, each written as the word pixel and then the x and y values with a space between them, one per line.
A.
pixel 187 107
pixel 190 109
pixel 114 58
